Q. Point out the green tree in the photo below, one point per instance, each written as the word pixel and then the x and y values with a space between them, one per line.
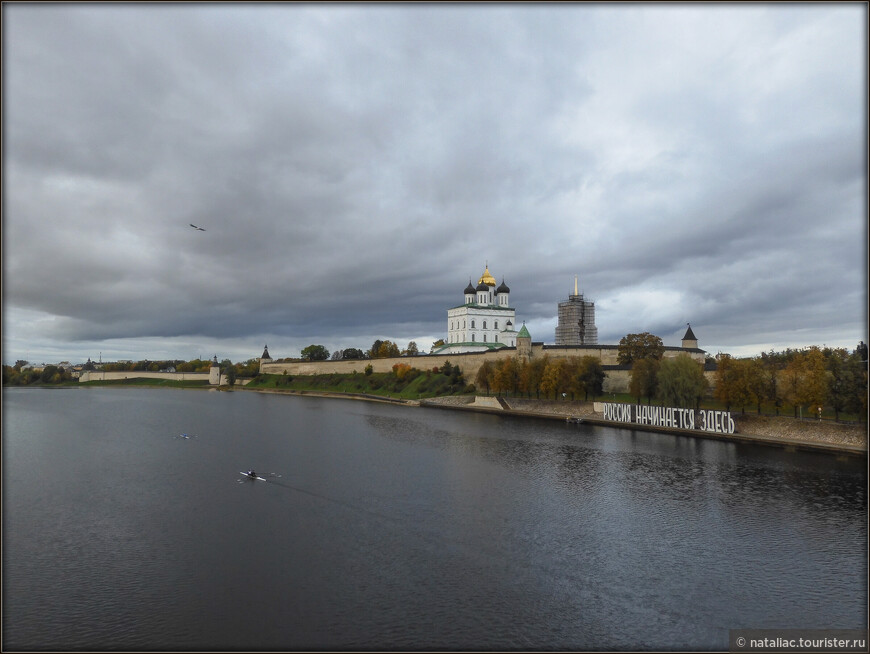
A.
pixel 644 379
pixel 590 377
pixel 315 353
pixel 249 368
pixel 47 374
pixel 411 350
pixel 681 382
pixel 771 370
pixel 376 346
pixel 858 397
pixel 840 381
pixel 633 347
pixel 229 370
pixel 755 381
pixel 353 353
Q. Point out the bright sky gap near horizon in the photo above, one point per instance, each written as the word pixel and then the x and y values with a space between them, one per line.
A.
pixel 355 165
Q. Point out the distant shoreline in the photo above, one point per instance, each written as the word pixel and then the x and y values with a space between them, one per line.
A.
pixel 544 411
pixel 548 410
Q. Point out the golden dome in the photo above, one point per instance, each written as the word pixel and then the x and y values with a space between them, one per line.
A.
pixel 486 278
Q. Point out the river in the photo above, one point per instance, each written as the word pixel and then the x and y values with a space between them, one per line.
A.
pixel 388 527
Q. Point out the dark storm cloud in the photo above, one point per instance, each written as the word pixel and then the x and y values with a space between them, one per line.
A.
pixel 354 166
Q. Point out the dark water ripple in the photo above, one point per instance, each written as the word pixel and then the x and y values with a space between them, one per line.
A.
pixel 391 528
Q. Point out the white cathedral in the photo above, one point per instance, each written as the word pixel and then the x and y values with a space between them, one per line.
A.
pixel 485 321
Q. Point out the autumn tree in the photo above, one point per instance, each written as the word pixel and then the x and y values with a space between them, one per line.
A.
pixel 806 380
pixel 524 378
pixel 728 381
pixel 386 350
pixel 633 347
pixel 553 379
pixel 411 350
pixel 401 370
pixel 505 377
pixel 681 382
pixel 814 384
pixel 791 382
pixel 483 379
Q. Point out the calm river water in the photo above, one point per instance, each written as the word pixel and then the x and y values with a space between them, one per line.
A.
pixel 385 527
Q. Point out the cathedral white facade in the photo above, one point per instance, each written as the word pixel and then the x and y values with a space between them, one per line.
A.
pixel 484 321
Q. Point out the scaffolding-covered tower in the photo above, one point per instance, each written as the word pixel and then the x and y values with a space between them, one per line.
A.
pixel 576 321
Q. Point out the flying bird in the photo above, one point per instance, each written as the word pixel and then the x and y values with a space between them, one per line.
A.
pixel 195 227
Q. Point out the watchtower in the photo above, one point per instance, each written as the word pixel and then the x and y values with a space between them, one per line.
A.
pixel 689 340
pixel 524 343
pixel 214 372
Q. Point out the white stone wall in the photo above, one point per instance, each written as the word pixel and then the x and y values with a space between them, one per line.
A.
pixel 100 375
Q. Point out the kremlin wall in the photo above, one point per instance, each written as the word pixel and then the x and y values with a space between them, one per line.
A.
pixel 471 342
pixel 616 380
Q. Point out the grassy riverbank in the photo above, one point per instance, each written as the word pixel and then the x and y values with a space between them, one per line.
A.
pixel 413 385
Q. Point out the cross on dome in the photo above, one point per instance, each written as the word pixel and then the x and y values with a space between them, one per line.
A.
pixel 486 277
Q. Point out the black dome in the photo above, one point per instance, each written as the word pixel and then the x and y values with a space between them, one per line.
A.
pixel 502 289
pixel 482 287
pixel 469 290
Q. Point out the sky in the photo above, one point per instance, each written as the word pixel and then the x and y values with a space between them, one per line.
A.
pixel 354 166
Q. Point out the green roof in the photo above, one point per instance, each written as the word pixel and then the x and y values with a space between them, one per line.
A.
pixel 483 306
pixel 488 346
pixel 524 333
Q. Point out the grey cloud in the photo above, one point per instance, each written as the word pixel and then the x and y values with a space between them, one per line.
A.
pixel 354 165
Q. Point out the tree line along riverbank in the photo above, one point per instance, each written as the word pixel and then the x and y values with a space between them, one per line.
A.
pixel 449 390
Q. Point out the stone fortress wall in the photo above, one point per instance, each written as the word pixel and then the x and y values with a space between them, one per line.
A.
pixel 616 380
pixel 211 378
